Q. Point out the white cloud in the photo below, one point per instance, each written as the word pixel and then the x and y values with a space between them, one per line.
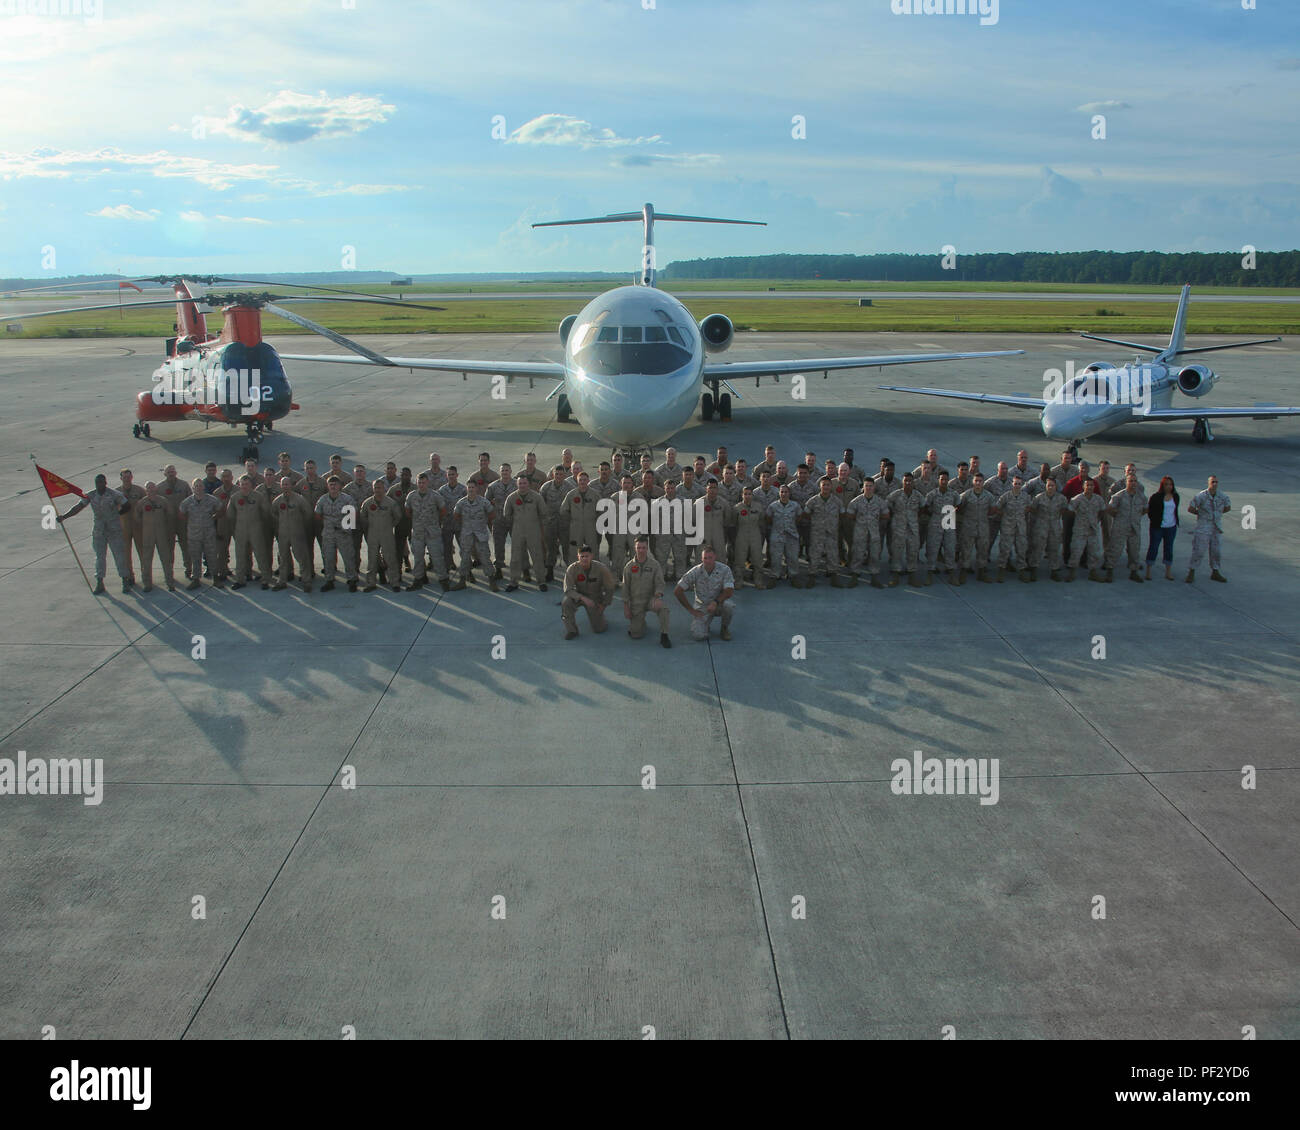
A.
pixel 1109 104
pixel 194 217
pixel 289 118
pixel 55 163
pixel 125 212
pixel 667 160
pixel 564 129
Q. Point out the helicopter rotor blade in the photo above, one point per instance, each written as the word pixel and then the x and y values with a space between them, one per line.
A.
pixel 336 338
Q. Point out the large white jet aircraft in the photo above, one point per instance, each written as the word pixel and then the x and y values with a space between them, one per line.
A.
pixel 635 361
pixel 1103 396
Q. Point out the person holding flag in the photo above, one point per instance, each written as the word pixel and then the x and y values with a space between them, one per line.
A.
pixel 108 506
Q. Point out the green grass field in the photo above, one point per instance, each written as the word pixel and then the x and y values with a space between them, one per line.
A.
pixel 527 315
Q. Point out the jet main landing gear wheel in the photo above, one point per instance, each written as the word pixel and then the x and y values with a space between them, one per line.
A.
pixel 562 410
pixel 1201 432
pixel 724 406
pixel 706 406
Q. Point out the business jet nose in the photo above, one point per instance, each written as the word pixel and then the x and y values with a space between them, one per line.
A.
pixel 1053 419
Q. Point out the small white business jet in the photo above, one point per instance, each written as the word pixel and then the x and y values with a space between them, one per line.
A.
pixel 1103 396
pixel 635 361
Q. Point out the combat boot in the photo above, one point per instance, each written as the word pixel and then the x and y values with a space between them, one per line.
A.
pixel 983 575
pixel 414 585
pixel 1110 575
pixel 492 584
pixel 126 585
pixel 446 585
pixel 1027 576
pixel 352 586
pixel 328 586
pixel 1096 575
pixel 1215 575
pixel 876 583
pixel 1002 574
pixel 369 588
pixel 1056 574
pixel 1134 575
pixel 197 584
pixel 957 576
pixel 893 584
pixel 1069 573
pixel 929 578
pixel 914 580
pixel 1191 575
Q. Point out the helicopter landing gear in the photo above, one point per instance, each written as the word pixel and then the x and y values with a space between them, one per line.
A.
pixel 1201 432
pixel 254 438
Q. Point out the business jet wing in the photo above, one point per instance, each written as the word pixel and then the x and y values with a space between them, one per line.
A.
pixel 984 397
pixel 444 364
pixel 1258 412
pixel 723 370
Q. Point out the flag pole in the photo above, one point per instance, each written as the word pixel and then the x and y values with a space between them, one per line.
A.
pixel 63 527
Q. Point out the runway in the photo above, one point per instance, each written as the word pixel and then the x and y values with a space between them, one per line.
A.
pixel 499 868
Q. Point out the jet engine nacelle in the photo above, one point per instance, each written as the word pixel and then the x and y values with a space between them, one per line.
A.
pixel 717 332
pixel 1196 380
pixel 566 327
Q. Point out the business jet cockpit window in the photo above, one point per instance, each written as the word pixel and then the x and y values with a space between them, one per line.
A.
pixel 611 351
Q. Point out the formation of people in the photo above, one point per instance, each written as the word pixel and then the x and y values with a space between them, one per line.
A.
pixel 764 523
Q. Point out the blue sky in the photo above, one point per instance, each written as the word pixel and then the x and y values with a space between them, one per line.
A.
pixel 274 135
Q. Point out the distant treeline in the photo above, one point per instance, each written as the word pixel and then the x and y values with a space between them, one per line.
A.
pixel 1272 268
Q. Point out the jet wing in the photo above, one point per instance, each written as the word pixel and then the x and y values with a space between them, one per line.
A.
pixel 727 370
pixel 444 364
pixel 984 397
pixel 1258 412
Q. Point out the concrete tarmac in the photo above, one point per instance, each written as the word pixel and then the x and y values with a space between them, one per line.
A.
pixel 499 870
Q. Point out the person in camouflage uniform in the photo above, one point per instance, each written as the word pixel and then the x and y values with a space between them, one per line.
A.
pixel 497 492
pixel 474 516
pixel 868 511
pixel 1046 537
pixel 200 511
pixel 783 534
pixel 941 507
pixel 712 586
pixel 973 531
pixel 428 511
pixel 1012 508
pixel 905 506
pixel 1127 510
pixel 338 514
pixel 1087 509
pixel 823 512
pixel 1209 507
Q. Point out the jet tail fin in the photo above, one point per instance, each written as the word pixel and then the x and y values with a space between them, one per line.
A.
pixel 1180 323
pixel 647 216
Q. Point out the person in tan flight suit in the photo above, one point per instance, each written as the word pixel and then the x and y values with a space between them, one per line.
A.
pixel 379 518
pixel 524 515
pixel 643 592
pixel 295 521
pixel 587 584
pixel 173 490
pixel 153 516
pixel 750 522
pixel 130 535
pixel 579 517
pixel 250 534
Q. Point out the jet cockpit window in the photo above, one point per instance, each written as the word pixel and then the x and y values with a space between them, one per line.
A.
pixel 653 350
